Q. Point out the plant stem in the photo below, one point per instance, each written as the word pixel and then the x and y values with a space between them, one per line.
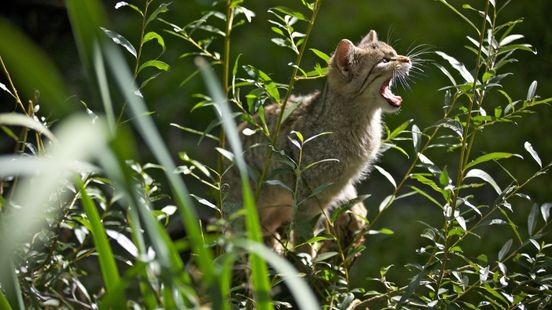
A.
pixel 283 105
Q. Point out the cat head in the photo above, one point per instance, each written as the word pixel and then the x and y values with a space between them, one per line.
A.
pixel 366 71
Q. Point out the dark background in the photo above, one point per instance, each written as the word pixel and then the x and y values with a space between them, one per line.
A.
pixel 404 23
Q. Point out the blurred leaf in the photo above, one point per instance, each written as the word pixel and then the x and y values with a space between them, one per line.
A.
pixel 480 174
pixel 279 183
pixel 533 153
pixel 120 40
pixel 18 119
pixel 162 8
pixel 291 12
pixel 324 256
pixel 325 57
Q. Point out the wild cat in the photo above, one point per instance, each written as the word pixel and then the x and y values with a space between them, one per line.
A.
pixel 349 107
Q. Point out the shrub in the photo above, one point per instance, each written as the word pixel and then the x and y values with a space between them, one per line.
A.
pixel 85 224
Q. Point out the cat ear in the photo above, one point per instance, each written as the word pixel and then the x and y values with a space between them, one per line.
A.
pixel 371 37
pixel 343 56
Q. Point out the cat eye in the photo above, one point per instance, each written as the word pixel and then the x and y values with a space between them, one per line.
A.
pixel 385 60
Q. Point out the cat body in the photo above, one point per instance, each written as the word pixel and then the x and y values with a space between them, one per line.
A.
pixel 349 107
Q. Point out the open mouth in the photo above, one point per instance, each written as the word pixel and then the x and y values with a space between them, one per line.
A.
pixel 387 94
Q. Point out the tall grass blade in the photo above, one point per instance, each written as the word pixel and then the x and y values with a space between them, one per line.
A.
pixel 151 136
pixel 108 267
pixel 258 266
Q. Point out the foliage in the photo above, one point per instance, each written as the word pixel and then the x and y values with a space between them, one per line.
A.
pixel 85 224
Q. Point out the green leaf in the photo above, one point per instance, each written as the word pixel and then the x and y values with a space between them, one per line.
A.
pixel 529 148
pixel 532 219
pixel 325 57
pixel 480 174
pixel 324 256
pixel 108 267
pixel 387 175
pixel 120 40
pixel 487 157
pixel 154 36
pixel 154 63
pixel 505 249
pixel 397 131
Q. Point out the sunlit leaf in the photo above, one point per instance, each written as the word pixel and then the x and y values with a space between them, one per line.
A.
pixel 387 175
pixel 458 66
pixel 532 91
pixel 529 148
pixel 480 174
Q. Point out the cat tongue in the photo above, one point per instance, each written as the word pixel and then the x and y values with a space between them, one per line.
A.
pixel 391 98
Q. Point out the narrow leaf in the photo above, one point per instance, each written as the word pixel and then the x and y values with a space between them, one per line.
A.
pixel 387 175
pixel 505 249
pixel 458 66
pixel 120 40
pixel 487 157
